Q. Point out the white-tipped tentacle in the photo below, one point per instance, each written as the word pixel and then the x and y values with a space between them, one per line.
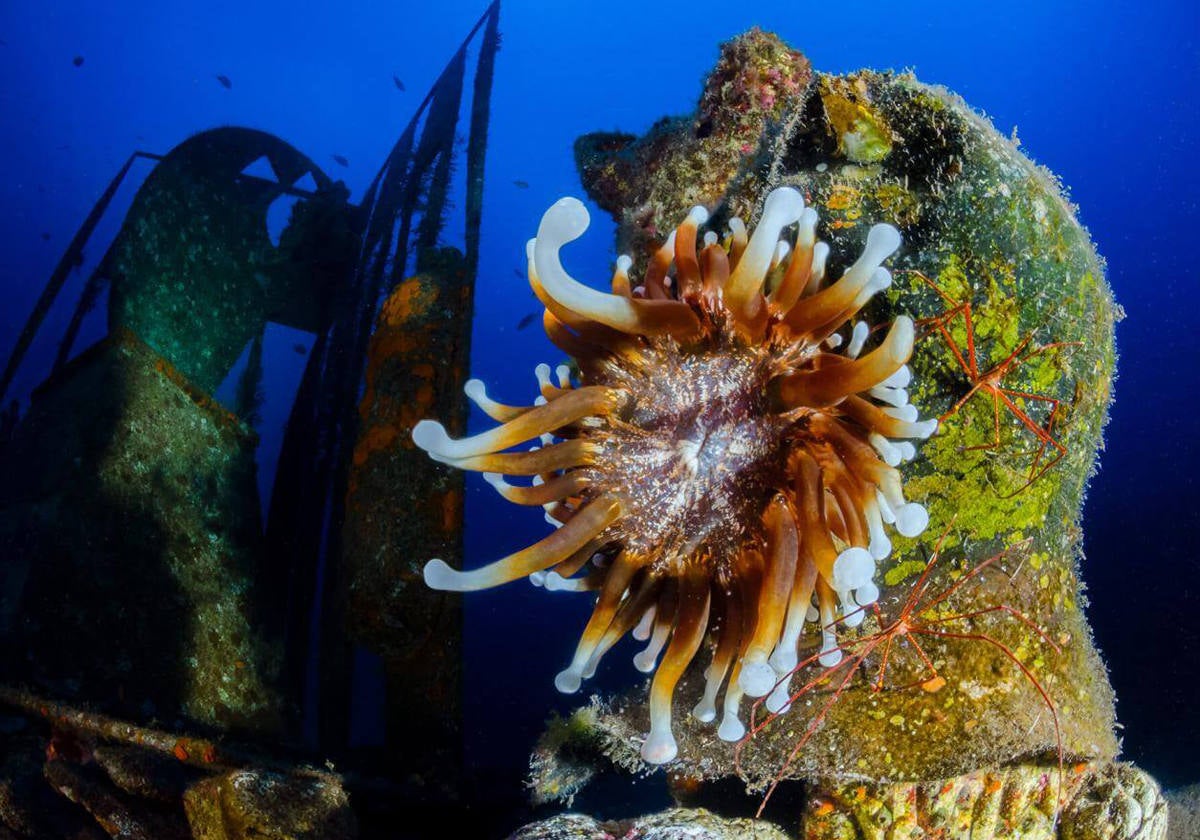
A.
pixel 858 337
pixel 642 631
pixel 783 207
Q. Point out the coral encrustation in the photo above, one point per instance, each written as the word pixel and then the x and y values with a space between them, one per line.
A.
pixel 725 465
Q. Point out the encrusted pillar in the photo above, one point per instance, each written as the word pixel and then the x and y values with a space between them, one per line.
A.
pixel 403 508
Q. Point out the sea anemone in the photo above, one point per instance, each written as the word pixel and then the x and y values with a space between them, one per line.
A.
pixel 723 462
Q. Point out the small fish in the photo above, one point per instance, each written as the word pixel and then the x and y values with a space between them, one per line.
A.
pixel 46 235
pixel 399 84
pixel 341 159
pixel 225 83
pixel 521 185
pixel 520 274
pixel 300 349
pixel 77 61
pixel 527 320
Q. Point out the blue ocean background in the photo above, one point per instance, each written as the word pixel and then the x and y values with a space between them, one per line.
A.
pixel 1106 95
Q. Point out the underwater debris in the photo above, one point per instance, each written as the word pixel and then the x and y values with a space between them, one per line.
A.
pixel 160 515
pixel 77 61
pixel 225 82
pixel 273 806
pixel 249 400
pixel 69 744
pixel 672 824
pixel 200 305
pixel 416 363
pixel 92 792
pixel 341 160
pixel 71 257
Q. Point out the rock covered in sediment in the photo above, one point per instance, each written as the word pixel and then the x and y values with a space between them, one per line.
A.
pixel 145 774
pixel 1185 813
pixel 982 224
pixel 118 815
pixel 673 824
pixel 262 805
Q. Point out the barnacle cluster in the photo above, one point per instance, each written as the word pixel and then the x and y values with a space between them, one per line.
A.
pixel 724 462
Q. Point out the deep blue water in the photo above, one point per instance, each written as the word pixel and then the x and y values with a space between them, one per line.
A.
pixel 1105 95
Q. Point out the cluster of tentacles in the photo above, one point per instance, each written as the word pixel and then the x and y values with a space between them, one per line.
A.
pixel 723 464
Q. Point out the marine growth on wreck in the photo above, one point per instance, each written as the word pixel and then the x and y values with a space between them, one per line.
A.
pixel 817 444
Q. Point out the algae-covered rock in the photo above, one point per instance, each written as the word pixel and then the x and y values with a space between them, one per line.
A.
pixel 563 762
pixel 1015 354
pixel 674 824
pixel 257 804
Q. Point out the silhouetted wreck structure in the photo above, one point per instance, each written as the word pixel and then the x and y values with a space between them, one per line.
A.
pixel 142 582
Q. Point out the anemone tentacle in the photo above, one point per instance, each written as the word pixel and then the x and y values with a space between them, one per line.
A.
pixel 723 465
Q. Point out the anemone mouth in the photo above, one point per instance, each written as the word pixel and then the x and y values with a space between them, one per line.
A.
pixel 722 469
